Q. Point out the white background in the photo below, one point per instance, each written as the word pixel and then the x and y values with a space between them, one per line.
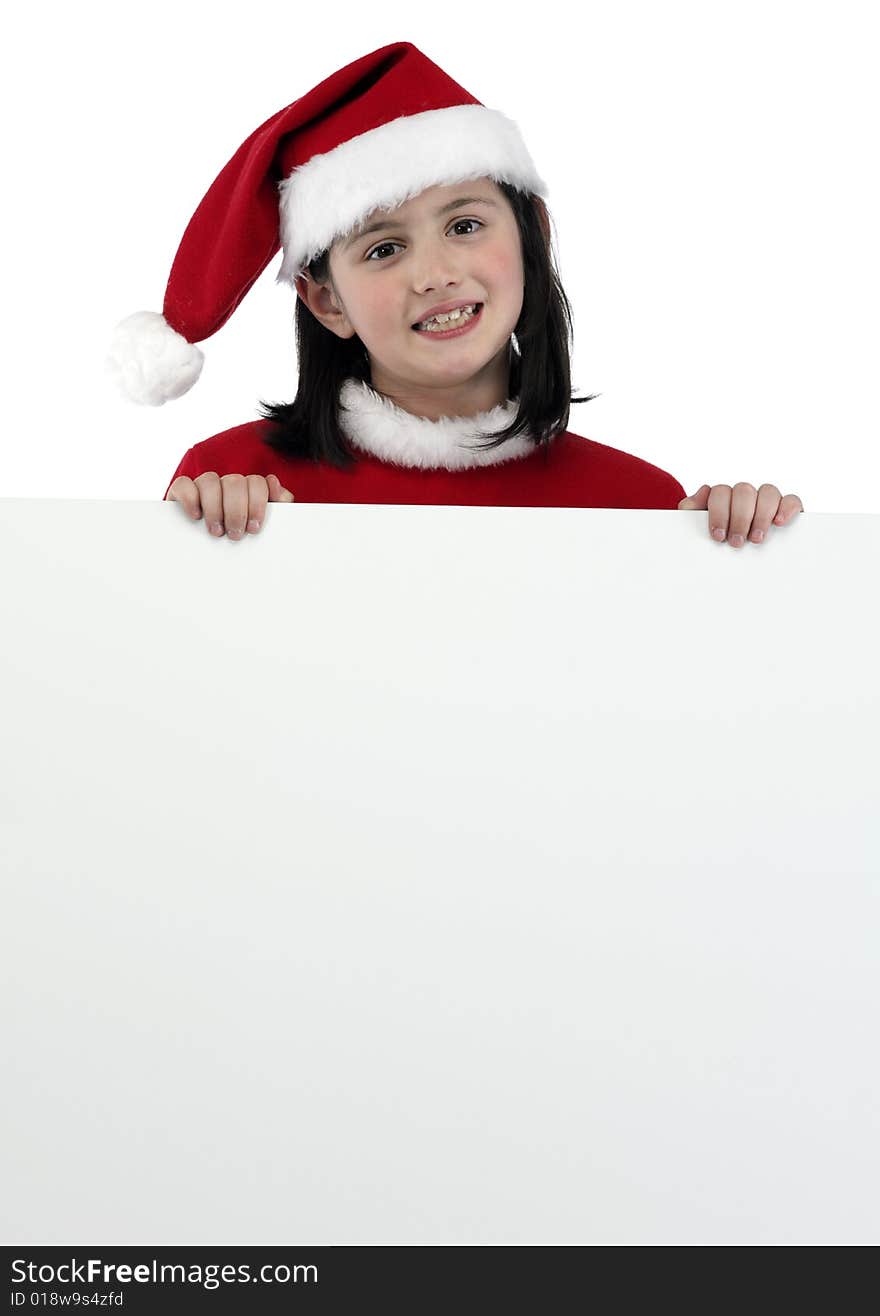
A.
pixel 712 182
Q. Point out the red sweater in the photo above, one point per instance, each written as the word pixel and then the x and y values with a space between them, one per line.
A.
pixel 575 472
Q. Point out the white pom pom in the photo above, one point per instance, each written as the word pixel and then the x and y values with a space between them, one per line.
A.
pixel 150 362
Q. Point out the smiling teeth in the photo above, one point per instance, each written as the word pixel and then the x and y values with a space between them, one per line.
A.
pixel 452 317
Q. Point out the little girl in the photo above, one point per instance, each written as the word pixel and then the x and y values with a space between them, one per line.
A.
pixel 432 329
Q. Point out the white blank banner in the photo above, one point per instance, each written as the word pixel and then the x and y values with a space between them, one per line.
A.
pixel 438 875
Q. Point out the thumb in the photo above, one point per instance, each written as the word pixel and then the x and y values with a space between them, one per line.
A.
pixel 696 502
pixel 277 491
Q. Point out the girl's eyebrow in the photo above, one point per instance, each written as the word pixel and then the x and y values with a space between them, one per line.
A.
pixel 390 223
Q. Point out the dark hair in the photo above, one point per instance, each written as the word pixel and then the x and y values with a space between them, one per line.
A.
pixel 540 367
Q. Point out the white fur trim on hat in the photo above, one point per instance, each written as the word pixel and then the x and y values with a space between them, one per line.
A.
pixel 333 193
pixel 150 362
pixel 377 425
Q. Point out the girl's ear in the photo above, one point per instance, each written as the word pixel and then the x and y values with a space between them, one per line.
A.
pixel 323 303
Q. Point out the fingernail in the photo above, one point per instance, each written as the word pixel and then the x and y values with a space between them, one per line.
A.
pixel 216 528
pixel 718 533
pixel 233 534
pixel 736 541
pixel 253 525
pixel 757 536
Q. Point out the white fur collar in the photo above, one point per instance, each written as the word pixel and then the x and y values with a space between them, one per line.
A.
pixel 377 425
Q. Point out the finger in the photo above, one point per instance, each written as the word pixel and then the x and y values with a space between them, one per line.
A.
pixel 235 504
pixel 743 500
pixel 719 510
pixel 277 491
pixel 790 505
pixel 208 485
pixel 258 496
pixel 768 502
pixel 184 491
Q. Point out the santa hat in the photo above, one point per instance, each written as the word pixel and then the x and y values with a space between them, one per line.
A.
pixel 371 136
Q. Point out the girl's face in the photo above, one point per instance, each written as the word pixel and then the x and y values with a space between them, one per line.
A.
pixel 456 243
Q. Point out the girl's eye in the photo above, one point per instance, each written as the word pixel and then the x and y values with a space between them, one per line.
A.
pixel 383 245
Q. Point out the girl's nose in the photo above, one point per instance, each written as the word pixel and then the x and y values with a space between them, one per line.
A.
pixel 434 266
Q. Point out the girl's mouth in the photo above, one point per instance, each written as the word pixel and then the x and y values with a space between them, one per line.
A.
pixel 454 331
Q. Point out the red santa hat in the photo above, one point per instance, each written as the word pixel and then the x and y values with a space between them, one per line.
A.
pixel 371 136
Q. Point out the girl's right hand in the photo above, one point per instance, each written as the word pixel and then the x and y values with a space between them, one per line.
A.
pixel 232 502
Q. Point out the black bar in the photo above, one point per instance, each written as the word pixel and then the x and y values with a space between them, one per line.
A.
pixel 343 1278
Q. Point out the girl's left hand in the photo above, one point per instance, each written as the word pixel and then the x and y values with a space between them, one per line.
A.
pixel 743 510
